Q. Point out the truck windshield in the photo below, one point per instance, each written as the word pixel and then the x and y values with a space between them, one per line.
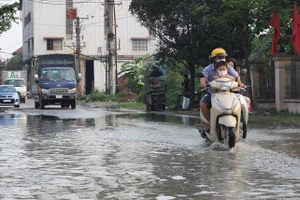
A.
pixel 16 83
pixel 58 74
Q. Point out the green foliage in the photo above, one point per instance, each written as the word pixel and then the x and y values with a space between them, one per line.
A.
pixel 15 63
pixel 135 72
pixel 261 46
pixel 133 105
pixel 95 95
pixel 173 88
pixel 174 19
pixel 187 30
pixel 273 118
pixel 7 16
pixel 141 96
pixel 81 97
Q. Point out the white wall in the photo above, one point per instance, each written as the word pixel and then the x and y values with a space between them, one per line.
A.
pixel 99 73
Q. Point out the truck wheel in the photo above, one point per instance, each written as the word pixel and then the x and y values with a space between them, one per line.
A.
pixel 73 105
pixel 42 104
pixel 36 104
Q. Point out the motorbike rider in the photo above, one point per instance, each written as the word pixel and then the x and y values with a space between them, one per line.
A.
pixel 217 55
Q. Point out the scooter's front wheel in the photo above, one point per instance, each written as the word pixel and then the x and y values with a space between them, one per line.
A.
pixel 243 120
pixel 227 135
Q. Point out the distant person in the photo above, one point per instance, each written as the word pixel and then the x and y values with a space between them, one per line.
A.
pixel 186 85
pixel 231 62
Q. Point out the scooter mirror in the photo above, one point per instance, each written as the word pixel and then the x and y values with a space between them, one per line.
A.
pixel 199 75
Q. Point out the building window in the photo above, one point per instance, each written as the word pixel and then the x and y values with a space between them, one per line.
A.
pixel 28 45
pixel 139 45
pixel 53 44
pixel 27 19
pixel 32 44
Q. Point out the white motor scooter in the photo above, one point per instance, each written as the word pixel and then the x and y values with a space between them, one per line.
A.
pixel 245 109
pixel 225 113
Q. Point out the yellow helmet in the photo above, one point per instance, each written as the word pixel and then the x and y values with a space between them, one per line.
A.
pixel 218 52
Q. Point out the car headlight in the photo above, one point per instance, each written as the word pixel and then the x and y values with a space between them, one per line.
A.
pixel 44 91
pixel 73 91
pixel 16 96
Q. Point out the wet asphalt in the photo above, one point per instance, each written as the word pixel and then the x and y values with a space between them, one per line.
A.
pixel 92 153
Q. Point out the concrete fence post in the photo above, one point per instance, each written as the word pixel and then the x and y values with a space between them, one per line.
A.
pixel 281 62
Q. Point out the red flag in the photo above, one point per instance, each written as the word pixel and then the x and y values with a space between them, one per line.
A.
pixel 296 30
pixel 275 23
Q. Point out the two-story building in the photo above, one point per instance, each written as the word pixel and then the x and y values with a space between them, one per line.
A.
pixel 47 30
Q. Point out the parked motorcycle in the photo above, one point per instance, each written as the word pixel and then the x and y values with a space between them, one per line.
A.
pixel 225 113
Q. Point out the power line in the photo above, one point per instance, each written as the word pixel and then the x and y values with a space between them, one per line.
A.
pixel 3 52
pixel 58 3
pixel 13 45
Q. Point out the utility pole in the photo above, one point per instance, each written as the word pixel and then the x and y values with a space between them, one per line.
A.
pixel 111 43
pixel 111 46
pixel 78 67
pixel 78 49
pixel 72 14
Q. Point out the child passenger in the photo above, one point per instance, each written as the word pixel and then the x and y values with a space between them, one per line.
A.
pixel 222 71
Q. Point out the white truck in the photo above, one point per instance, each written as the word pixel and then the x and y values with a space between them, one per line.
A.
pixel 17 78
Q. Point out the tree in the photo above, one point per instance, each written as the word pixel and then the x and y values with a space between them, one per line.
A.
pixel 8 16
pixel 185 34
pixel 15 63
pixel 252 18
pixel 190 30
pixel 178 28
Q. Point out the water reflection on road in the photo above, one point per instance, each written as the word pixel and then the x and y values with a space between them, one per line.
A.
pixel 140 156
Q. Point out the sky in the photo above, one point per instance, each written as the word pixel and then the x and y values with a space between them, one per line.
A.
pixel 11 40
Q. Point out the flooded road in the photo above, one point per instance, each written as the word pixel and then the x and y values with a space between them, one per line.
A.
pixel 98 154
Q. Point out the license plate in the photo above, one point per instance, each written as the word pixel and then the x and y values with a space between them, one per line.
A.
pixel 58 96
pixel 6 100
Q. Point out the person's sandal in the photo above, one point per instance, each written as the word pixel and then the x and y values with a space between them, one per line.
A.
pixel 202 133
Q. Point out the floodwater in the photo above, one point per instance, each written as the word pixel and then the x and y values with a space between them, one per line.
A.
pixel 141 156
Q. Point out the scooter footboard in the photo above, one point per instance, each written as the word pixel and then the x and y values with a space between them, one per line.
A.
pixel 227 120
